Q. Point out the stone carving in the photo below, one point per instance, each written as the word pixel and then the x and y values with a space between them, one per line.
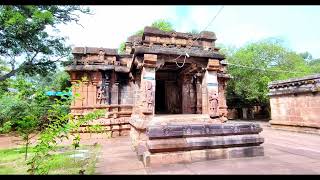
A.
pixel 101 95
pixel 196 130
pixel 101 55
pixel 213 104
pixel 148 97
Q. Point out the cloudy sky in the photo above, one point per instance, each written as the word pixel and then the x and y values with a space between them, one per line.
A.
pixel 235 25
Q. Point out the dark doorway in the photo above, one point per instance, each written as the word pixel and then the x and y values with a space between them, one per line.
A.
pixel 168 97
pixel 160 106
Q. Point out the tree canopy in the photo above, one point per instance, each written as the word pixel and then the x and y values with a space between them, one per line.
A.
pixel 25 44
pixel 254 65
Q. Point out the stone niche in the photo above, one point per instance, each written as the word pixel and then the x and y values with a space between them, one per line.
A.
pixel 295 104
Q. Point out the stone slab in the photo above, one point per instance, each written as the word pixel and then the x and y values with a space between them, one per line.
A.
pixel 192 143
pixel 187 130
pixel 158 159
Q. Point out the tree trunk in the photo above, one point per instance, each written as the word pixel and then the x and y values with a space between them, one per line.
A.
pixel 8 75
pixel 26 153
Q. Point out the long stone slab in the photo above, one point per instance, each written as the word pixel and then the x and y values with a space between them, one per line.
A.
pixel 189 130
pixel 151 160
pixel 192 143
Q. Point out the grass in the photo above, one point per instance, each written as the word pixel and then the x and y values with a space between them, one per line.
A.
pixel 62 160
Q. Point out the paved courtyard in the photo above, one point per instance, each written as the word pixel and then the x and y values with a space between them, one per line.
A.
pixel 285 153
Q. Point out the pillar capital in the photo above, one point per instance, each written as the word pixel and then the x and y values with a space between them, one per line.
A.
pixel 213 65
pixel 149 60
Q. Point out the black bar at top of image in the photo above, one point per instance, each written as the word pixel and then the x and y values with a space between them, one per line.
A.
pixel 160 2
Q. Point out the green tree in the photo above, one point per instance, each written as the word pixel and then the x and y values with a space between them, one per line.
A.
pixel 314 65
pixel 254 65
pixel 122 47
pixel 163 25
pixel 25 45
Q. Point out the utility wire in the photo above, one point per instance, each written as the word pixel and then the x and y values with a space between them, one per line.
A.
pixel 197 38
pixel 263 69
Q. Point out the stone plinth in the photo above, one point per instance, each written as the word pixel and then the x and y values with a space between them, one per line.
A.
pixel 154 159
pixel 184 142
pixel 295 104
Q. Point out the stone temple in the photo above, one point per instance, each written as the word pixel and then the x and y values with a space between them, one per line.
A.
pixel 167 92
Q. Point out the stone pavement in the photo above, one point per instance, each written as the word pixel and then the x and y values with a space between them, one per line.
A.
pixel 285 153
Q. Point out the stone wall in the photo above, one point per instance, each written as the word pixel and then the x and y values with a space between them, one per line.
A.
pixel 295 104
pixel 101 78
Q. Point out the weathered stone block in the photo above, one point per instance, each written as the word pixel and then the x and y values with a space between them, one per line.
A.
pixel 166 158
pixel 151 160
pixel 115 127
pixel 208 154
pixel 150 57
pixel 176 144
pixel 239 152
pixel 124 132
pixel 166 145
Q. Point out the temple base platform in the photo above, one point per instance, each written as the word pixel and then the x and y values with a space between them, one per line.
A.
pixel 193 137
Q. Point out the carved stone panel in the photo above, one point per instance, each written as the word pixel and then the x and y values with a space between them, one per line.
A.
pixel 213 103
pixel 185 130
pixel 148 96
pixel 103 90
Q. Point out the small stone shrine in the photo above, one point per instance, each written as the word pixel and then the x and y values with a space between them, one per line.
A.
pixel 168 88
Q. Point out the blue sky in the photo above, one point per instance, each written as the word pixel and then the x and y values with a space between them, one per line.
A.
pixel 235 25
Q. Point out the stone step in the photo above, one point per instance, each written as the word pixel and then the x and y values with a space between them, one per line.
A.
pixel 182 119
pixel 189 130
pixel 192 143
pixel 156 159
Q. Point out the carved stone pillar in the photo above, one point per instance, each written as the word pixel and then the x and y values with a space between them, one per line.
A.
pixel 223 108
pixel 96 76
pixel 186 99
pixel 144 110
pixel 115 94
pixel 115 89
pixel 212 86
pixel 199 95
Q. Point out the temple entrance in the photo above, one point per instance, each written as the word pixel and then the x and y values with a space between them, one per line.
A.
pixel 160 107
pixel 175 90
pixel 168 94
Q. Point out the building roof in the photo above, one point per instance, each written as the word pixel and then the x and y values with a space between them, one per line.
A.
pixel 116 68
pixel 204 35
pixel 294 81
pixel 194 51
pixel 94 50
